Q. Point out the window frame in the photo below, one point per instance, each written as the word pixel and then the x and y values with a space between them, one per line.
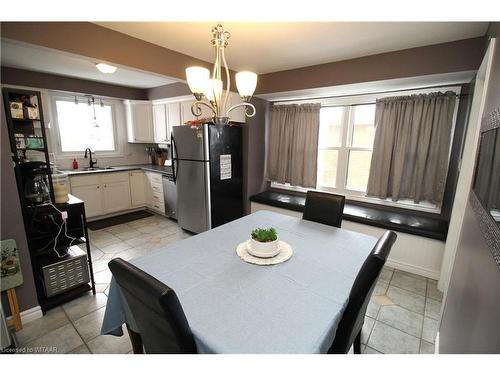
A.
pixel 350 102
pixel 347 124
pixel 56 135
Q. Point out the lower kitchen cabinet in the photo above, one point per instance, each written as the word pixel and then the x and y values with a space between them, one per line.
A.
pixel 106 193
pixel 138 188
pixel 92 198
pixel 154 192
pixel 102 193
pixel 116 192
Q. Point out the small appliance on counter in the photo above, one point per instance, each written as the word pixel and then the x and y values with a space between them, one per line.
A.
pixel 36 187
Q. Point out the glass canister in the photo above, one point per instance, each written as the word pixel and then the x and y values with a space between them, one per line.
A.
pixel 60 182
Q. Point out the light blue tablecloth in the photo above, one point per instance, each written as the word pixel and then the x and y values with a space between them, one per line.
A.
pixel 236 307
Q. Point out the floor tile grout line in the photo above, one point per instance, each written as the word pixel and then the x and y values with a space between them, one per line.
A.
pixel 367 346
pixel 407 290
pixel 37 337
pixel 404 308
pixel 76 330
pixel 399 330
pixel 423 320
pixel 378 312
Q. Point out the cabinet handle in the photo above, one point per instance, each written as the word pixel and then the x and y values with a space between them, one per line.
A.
pixel 105 185
pixel 98 186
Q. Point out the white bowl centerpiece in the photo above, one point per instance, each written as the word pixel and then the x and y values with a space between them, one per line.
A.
pixel 264 243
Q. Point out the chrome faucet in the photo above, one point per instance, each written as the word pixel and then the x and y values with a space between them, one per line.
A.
pixel 92 163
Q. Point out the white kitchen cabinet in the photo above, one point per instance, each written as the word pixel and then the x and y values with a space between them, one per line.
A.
pixel 160 121
pixel 238 114
pixel 178 112
pixel 166 115
pixel 116 191
pixel 140 128
pixel 116 196
pixel 154 192
pixel 103 193
pixel 173 116
pixel 186 114
pixel 92 198
pixel 137 188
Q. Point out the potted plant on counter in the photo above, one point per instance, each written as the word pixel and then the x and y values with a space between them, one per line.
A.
pixel 264 243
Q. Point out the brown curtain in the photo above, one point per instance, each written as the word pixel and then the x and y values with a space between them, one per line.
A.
pixel 293 144
pixel 411 147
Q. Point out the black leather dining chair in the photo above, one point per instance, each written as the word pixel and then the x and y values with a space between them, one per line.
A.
pixel 350 325
pixel 324 208
pixel 156 310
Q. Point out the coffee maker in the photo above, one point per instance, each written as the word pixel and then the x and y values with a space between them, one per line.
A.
pixel 36 187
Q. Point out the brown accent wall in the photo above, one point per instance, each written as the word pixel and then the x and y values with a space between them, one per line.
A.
pixel 103 44
pixel 169 91
pixel 20 77
pixel 471 316
pixel 493 30
pixel 448 57
pixel 11 224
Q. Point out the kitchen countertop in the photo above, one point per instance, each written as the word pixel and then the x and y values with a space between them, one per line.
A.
pixel 167 170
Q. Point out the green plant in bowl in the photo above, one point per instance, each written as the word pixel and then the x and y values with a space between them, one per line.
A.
pixel 264 235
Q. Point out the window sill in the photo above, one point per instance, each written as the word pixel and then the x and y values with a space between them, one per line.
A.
pixel 402 220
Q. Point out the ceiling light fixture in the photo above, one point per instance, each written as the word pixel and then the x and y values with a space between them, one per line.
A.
pixel 105 68
pixel 202 86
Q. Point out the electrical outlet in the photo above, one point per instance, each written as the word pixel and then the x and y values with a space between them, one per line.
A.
pixel 64 215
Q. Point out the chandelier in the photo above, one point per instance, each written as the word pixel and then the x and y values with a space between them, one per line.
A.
pixel 209 92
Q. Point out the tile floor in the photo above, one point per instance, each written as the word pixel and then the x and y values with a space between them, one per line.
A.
pixel 401 316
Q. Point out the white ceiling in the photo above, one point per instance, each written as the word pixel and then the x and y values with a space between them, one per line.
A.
pixel 270 47
pixel 29 57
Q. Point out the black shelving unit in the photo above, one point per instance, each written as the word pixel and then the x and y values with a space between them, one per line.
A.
pixel 42 220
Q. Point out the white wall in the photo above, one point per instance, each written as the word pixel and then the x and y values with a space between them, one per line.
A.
pixel 416 254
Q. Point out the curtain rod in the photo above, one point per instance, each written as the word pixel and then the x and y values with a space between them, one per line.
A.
pixel 372 93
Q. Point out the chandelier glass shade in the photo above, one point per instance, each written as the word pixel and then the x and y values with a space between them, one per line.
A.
pixel 208 89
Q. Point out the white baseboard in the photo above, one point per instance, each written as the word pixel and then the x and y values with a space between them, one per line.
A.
pixel 29 315
pixel 431 274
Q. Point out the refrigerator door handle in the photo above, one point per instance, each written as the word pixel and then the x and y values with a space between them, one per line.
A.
pixel 174 157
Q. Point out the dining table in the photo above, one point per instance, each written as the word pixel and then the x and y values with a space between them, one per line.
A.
pixel 237 307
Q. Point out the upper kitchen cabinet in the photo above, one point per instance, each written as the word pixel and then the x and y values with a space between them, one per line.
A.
pixel 160 123
pixel 173 115
pixel 186 114
pixel 237 115
pixel 140 126
pixel 165 115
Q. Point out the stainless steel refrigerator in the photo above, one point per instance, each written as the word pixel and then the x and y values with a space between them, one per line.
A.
pixel 208 171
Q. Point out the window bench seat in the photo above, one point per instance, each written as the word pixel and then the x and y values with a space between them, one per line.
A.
pixel 406 221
